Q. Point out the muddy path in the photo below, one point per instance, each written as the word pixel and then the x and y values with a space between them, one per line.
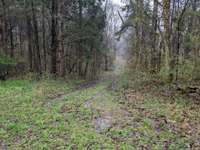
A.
pixel 83 86
pixel 100 101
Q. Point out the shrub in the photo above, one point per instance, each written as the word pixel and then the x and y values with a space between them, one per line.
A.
pixel 6 65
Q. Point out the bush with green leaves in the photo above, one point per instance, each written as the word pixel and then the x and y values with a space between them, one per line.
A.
pixel 6 64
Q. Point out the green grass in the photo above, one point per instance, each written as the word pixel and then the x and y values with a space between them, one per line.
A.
pixel 33 115
pixel 159 121
pixel 22 112
pixel 29 120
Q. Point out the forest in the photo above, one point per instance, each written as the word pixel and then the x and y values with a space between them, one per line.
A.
pixel 100 74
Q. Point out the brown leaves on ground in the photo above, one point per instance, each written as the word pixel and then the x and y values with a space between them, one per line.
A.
pixel 168 114
pixel 65 108
pixel 132 95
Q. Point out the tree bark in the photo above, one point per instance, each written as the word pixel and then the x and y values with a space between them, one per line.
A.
pixel 44 37
pixel 36 39
pixel 11 40
pixel 80 42
pixel 167 37
pixel 30 46
pixel 54 34
pixel 4 27
pixel 154 58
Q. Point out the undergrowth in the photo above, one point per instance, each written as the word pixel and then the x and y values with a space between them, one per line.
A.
pixel 51 114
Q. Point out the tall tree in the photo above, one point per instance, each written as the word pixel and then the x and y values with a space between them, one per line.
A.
pixel 167 36
pixel 154 57
pixel 54 35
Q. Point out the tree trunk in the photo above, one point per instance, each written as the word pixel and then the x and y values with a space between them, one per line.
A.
pixel 54 34
pixel 11 40
pixel 4 27
pixel 44 37
pixel 194 25
pixel 167 37
pixel 30 47
pixel 21 42
pixel 36 40
pixel 80 42
pixel 154 57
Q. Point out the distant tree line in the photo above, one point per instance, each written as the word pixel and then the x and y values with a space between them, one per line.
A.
pixel 57 36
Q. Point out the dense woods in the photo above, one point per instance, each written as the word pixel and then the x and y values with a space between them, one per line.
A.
pixel 165 36
pixel 77 37
pixel 57 36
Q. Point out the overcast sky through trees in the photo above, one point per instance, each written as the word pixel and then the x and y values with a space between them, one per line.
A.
pixel 118 2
